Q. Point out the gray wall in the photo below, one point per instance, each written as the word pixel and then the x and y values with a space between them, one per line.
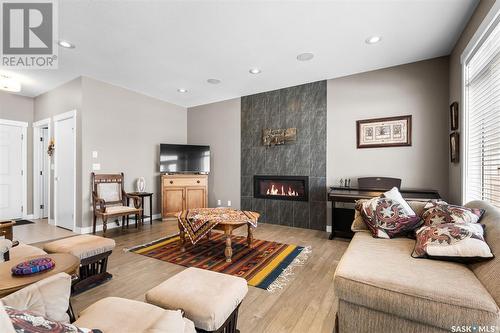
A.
pixel 126 128
pixel 218 125
pixel 455 91
pixel 303 107
pixel 62 99
pixel 419 89
pixel 20 108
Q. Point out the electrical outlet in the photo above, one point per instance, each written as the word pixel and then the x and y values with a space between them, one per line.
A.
pixel 229 203
pixel 94 154
pixel 96 166
pixel 219 203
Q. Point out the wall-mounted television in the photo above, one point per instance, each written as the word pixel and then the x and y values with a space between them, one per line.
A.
pixel 184 159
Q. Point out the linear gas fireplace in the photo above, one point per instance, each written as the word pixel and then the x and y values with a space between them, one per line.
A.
pixel 281 187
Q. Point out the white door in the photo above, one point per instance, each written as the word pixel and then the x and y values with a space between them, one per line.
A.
pixel 44 173
pixel 64 207
pixel 11 172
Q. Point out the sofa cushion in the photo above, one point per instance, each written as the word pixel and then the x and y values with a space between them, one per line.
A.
pixel 5 323
pixel 81 246
pixel 462 242
pixel 120 315
pixel 389 215
pixel 488 272
pixel 24 250
pixel 206 297
pixel 381 274
pixel 437 212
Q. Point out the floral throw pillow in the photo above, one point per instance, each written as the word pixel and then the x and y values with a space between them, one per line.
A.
pixel 455 242
pixel 389 215
pixel 26 321
pixel 438 212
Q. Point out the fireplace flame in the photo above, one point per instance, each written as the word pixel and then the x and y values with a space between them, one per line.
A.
pixel 276 191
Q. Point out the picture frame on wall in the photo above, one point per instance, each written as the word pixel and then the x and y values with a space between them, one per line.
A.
pixel 454 147
pixel 384 132
pixel 454 116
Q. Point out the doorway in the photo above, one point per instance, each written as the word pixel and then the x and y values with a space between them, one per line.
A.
pixel 41 169
pixel 13 165
pixel 64 170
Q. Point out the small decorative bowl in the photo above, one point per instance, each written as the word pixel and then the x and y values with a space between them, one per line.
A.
pixel 33 266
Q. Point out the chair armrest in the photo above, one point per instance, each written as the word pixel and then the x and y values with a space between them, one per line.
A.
pixel 48 297
pixel 5 246
pixel 137 200
pixel 98 203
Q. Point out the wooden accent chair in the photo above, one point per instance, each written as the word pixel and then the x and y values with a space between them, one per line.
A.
pixel 109 200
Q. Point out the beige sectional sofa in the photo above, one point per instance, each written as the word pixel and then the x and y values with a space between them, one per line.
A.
pixel 381 288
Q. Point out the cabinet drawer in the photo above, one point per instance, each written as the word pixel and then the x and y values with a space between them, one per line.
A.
pixel 195 181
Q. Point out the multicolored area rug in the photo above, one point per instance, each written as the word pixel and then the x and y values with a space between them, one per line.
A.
pixel 267 265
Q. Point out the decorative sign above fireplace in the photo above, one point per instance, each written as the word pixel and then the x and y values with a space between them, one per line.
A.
pixel 281 187
pixel 274 137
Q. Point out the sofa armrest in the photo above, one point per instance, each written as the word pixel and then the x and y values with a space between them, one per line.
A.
pixel 48 297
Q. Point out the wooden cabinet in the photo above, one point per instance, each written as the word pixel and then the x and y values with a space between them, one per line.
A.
pixel 181 192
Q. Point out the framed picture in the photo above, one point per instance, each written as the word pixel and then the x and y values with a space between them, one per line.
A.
pixel 384 132
pixel 454 116
pixel 454 147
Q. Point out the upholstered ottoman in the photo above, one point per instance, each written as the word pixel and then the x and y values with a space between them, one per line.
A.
pixel 211 300
pixel 93 252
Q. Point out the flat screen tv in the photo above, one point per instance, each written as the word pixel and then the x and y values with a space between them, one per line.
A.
pixel 184 159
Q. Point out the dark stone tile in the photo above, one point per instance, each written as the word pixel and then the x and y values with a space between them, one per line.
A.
pixel 272 212
pixel 301 214
pixel 246 203
pixel 286 213
pixel 259 161
pixel 302 160
pixel 259 206
pixel 318 161
pixel 273 116
pixel 317 189
pixel 318 129
pixel 246 162
pixel 318 215
pixel 274 160
pixel 246 186
pixel 259 102
pixel 257 125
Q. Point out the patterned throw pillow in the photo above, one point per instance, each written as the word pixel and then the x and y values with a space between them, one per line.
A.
pixel 449 241
pixel 389 215
pixel 26 321
pixel 438 212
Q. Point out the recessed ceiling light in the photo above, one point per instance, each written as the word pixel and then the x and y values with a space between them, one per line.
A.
pixel 213 81
pixel 305 56
pixel 373 40
pixel 254 71
pixel 182 90
pixel 9 84
pixel 66 44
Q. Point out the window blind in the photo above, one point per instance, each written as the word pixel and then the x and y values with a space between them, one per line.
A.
pixel 482 121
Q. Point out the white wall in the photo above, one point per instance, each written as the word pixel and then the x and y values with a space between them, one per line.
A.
pixel 126 128
pixel 219 125
pixel 419 89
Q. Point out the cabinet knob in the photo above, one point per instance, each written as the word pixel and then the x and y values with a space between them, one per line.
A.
pixel 171 182
pixel 198 181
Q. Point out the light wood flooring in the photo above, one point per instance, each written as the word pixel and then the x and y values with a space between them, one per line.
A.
pixel 306 304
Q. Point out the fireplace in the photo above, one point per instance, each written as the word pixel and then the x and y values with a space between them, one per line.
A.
pixel 281 187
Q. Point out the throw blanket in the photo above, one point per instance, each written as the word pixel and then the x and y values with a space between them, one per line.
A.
pixel 198 222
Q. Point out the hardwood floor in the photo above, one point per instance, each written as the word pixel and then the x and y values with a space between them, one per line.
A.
pixel 306 304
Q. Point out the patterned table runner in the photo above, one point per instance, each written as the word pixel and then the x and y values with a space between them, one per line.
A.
pixel 198 222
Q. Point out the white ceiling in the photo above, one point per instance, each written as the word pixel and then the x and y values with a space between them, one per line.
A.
pixel 156 47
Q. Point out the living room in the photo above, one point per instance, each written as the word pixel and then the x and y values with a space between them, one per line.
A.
pixel 254 153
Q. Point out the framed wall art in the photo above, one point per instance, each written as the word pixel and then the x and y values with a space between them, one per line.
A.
pixel 454 116
pixel 454 147
pixel 384 132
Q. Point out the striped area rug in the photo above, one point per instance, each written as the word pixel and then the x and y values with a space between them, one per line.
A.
pixel 267 265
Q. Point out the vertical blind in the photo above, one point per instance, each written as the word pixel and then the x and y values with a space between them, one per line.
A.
pixel 482 121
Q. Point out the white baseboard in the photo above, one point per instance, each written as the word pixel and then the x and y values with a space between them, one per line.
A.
pixel 28 217
pixel 111 225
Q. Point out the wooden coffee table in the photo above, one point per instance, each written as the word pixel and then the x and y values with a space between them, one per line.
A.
pixel 227 227
pixel 9 283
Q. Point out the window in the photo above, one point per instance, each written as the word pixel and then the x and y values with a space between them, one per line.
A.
pixel 482 120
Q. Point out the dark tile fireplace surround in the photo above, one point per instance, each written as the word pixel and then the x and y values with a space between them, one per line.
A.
pixel 285 183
